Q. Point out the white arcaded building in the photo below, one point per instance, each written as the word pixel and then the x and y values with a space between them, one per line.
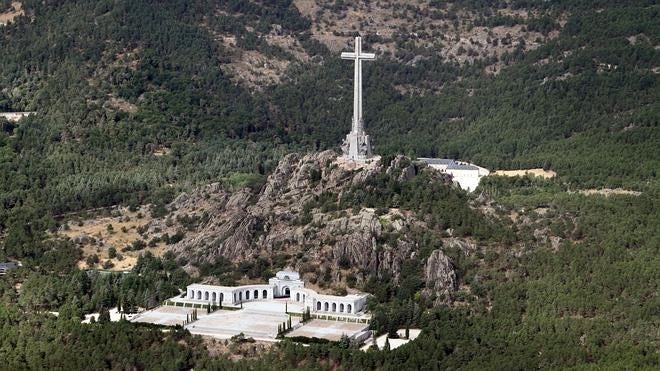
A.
pixel 285 284
pixel 467 175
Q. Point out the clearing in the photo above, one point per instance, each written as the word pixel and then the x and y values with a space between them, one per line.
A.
pixel 15 11
pixel 119 230
pixel 538 172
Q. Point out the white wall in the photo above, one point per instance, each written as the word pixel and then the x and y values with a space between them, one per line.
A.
pixel 467 179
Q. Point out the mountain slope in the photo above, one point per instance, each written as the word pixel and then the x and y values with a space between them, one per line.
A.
pixel 150 95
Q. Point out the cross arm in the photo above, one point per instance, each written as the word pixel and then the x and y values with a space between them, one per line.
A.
pixel 346 55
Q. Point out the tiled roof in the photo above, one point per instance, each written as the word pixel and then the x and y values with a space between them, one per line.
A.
pixel 451 164
pixel 457 166
pixel 438 161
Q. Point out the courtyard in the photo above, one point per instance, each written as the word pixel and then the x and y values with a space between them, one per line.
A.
pixel 167 315
pixel 258 319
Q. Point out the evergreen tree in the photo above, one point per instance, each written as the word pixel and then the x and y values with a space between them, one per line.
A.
pixel 344 341
pixel 104 315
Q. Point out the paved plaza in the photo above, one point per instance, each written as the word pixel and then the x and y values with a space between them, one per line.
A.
pixel 394 343
pixel 330 330
pixel 260 325
pixel 167 315
pixel 257 319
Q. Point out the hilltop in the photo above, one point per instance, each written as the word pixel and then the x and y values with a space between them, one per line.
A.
pixel 308 215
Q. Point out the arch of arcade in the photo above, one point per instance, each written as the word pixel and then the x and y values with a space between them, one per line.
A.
pixel 284 284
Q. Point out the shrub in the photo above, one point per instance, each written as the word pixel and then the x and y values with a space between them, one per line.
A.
pixel 92 260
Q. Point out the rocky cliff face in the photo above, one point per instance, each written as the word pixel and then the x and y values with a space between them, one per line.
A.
pixel 278 220
pixel 440 277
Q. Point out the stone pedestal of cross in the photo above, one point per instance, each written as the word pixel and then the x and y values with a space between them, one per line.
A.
pixel 357 145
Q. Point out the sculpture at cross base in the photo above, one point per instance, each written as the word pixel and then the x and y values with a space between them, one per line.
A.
pixel 357 145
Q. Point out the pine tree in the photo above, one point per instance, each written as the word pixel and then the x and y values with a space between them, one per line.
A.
pixel 344 341
pixel 386 347
pixel 104 315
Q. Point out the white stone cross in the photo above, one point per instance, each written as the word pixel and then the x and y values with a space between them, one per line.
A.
pixel 357 145
pixel 358 56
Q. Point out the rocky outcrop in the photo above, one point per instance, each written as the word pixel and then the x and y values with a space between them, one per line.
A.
pixel 440 277
pixel 278 220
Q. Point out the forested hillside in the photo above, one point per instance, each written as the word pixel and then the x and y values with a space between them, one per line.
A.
pixel 133 96
pixel 136 101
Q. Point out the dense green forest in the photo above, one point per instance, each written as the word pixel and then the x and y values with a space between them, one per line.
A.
pixel 133 106
pixel 598 127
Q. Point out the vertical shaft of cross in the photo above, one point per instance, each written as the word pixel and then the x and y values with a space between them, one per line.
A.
pixel 357 89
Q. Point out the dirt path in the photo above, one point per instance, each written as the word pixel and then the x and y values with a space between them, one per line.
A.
pixel 8 16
